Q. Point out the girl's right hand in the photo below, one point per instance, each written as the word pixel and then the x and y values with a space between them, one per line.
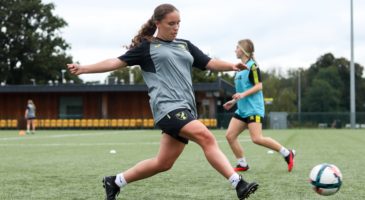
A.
pixel 229 104
pixel 74 68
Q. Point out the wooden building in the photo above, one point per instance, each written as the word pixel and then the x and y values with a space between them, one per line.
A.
pixel 71 101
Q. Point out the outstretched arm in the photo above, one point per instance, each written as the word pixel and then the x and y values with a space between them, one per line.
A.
pixel 220 65
pixel 103 66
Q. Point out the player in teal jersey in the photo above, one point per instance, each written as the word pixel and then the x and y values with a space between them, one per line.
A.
pixel 166 64
pixel 250 109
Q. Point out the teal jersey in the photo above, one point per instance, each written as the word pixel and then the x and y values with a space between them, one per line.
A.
pixel 244 80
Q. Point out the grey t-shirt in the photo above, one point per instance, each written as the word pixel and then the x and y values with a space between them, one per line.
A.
pixel 167 70
pixel 31 111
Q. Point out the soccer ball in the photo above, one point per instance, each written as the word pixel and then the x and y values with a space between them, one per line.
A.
pixel 326 179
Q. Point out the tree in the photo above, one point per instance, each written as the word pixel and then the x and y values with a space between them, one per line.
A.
pixel 360 99
pixel 280 89
pixel 30 43
pixel 201 76
pixel 335 72
pixel 198 76
pixel 322 97
pixel 124 75
pixel 344 74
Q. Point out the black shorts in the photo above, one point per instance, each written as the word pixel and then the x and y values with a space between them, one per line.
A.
pixel 173 122
pixel 249 119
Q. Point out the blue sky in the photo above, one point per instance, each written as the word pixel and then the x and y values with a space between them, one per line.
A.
pixel 287 33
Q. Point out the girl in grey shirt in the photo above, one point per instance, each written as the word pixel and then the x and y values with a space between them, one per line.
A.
pixel 166 64
pixel 30 116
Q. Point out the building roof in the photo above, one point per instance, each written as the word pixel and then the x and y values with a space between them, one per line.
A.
pixel 220 85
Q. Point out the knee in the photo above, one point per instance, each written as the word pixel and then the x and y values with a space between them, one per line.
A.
pixel 207 138
pixel 257 140
pixel 203 136
pixel 230 137
pixel 164 166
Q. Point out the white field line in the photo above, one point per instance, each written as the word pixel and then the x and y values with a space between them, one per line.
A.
pixel 94 144
pixel 33 137
pixel 243 139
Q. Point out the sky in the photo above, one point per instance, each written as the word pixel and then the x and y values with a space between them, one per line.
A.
pixel 288 34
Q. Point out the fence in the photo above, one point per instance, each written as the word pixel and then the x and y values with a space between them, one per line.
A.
pixel 304 120
pixel 292 120
pixel 129 123
pixel 324 120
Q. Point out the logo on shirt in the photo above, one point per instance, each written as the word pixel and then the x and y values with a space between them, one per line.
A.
pixel 181 115
pixel 157 45
pixel 182 46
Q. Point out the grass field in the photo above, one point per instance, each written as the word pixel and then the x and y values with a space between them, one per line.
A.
pixel 70 165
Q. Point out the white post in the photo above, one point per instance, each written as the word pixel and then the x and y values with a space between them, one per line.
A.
pixel 352 75
pixel 63 71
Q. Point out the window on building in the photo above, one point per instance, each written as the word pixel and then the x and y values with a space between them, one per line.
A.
pixel 71 107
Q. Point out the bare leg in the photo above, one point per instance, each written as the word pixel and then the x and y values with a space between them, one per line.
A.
pixel 234 129
pixel 197 132
pixel 33 125
pixel 170 150
pixel 257 137
pixel 28 125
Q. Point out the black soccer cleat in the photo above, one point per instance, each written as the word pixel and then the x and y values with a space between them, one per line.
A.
pixel 111 188
pixel 244 189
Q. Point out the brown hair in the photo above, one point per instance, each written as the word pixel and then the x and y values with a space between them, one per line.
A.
pixel 30 101
pixel 149 28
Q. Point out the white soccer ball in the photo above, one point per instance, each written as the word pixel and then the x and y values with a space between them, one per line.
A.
pixel 326 179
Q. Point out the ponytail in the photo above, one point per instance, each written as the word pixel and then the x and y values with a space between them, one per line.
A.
pixel 146 32
pixel 253 58
pixel 149 28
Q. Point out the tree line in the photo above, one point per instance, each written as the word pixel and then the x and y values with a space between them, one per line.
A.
pixel 32 50
pixel 323 87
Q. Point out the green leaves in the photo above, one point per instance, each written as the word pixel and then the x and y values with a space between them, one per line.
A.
pixel 30 43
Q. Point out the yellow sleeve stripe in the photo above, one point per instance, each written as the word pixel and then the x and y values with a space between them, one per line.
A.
pixel 255 75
